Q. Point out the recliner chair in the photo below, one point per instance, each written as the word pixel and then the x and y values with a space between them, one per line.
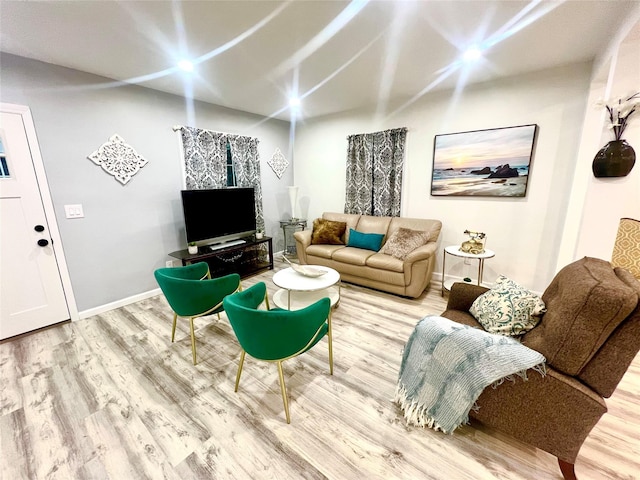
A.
pixel 589 335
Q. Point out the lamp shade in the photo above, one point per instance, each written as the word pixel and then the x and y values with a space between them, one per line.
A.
pixel 626 249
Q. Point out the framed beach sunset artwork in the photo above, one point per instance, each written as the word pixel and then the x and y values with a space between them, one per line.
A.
pixel 487 163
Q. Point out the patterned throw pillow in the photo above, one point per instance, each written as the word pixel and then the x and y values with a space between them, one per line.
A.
pixel 404 241
pixel 327 232
pixel 508 308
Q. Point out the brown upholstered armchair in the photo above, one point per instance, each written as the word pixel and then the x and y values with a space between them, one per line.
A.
pixel 589 336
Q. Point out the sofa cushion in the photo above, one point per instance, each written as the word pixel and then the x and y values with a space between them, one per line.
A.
pixel 586 301
pixel 508 308
pixel 371 224
pixel 404 241
pixel 368 241
pixel 383 261
pixel 351 255
pixel 327 232
pixel 324 251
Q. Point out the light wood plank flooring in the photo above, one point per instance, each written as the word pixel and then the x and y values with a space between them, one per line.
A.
pixel 110 397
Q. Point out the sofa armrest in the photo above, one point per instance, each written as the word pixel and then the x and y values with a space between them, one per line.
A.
pixel 421 253
pixel 462 296
pixel 559 410
pixel 303 238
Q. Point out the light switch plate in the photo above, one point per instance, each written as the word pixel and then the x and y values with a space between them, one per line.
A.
pixel 73 211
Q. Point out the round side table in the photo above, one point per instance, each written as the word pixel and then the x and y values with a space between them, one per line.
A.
pixel 455 251
pixel 289 227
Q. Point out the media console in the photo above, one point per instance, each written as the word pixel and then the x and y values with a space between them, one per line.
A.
pixel 245 259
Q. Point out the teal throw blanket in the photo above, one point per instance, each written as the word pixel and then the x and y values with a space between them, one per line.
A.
pixel 446 365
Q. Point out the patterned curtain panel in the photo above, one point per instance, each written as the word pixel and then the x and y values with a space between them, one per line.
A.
pixel 246 164
pixel 374 173
pixel 205 157
pixel 388 159
pixel 359 175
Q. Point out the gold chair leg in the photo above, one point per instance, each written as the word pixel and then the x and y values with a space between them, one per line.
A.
pixel 218 316
pixel 284 392
pixel 330 337
pixel 239 370
pixel 173 330
pixel 193 341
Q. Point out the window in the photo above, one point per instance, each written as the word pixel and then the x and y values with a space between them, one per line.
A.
pixel 231 174
pixel 4 168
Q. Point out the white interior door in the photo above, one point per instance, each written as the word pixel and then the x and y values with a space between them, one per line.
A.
pixel 31 289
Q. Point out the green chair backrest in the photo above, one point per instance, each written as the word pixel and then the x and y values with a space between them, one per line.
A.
pixel 195 271
pixel 190 296
pixel 274 334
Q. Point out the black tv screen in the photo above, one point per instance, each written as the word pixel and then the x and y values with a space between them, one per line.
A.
pixel 218 215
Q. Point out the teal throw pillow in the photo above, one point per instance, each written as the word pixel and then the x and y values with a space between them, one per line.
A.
pixel 368 241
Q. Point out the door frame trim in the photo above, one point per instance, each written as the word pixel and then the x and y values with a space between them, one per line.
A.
pixel 47 202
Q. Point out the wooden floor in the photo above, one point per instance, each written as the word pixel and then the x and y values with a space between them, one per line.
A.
pixel 111 397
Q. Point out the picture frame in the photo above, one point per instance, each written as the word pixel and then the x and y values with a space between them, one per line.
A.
pixel 484 163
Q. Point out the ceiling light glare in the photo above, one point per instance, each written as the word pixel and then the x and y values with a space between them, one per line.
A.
pixel 185 65
pixel 472 54
pixel 294 102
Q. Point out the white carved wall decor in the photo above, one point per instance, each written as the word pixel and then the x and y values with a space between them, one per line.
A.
pixel 278 163
pixel 118 159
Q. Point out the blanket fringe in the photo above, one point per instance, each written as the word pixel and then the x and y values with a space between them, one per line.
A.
pixel 415 414
pixel 541 368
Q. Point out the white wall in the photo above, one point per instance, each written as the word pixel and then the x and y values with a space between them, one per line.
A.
pixel 128 230
pixel 524 232
pixel 606 200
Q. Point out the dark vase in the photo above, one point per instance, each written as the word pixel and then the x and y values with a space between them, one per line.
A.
pixel 615 159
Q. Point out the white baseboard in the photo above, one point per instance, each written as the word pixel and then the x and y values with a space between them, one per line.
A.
pixel 135 298
pixel 120 303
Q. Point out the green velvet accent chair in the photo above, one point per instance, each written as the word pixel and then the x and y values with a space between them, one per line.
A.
pixel 276 335
pixel 192 293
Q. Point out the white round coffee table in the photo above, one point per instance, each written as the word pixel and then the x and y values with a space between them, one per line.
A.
pixel 298 291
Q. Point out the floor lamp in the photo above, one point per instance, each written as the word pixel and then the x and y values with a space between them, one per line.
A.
pixel 626 249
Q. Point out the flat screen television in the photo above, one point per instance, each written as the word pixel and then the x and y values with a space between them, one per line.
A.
pixel 218 215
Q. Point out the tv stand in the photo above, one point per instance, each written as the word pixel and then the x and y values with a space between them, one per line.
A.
pixel 244 257
pixel 219 246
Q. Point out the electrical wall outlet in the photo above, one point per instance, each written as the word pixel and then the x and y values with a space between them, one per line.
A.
pixel 73 211
pixel 169 263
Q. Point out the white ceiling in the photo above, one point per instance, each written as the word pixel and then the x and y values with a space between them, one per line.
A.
pixel 339 55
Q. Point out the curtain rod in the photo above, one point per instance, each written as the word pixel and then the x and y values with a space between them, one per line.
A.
pixel 405 129
pixel 180 127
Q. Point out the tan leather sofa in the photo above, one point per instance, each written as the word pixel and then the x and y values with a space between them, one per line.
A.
pixel 589 335
pixel 408 277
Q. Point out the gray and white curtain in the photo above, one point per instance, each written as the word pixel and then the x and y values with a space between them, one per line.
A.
pixel 205 158
pixel 246 165
pixel 374 173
